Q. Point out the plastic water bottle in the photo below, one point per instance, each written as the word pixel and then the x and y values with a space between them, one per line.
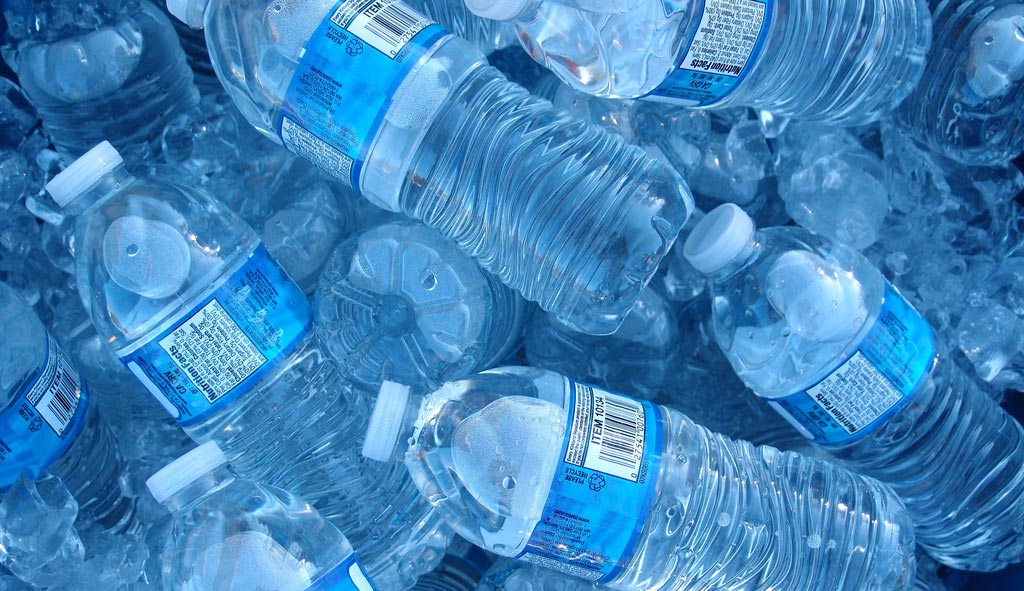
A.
pixel 47 421
pixel 641 356
pixel 529 464
pixel 230 534
pixel 486 34
pixel 968 105
pixel 515 575
pixel 461 570
pixel 816 330
pixel 844 61
pixel 560 211
pixel 187 296
pixel 193 43
pixel 98 71
pixel 669 133
pixel 401 302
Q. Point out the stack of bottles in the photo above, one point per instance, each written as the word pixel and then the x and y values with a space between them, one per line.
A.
pixel 304 295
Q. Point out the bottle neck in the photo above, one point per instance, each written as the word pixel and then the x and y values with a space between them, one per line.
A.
pixel 200 488
pixel 405 432
pixel 100 191
pixel 195 16
pixel 748 256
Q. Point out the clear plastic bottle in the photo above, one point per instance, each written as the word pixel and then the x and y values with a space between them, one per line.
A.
pixel 401 302
pixel 559 210
pixel 969 105
pixel 845 61
pixel 514 575
pixel 639 497
pixel 815 329
pixel 230 534
pixel 486 34
pixel 187 296
pixel 669 133
pixel 99 71
pixel 461 570
pixel 641 356
pixel 193 43
pixel 48 421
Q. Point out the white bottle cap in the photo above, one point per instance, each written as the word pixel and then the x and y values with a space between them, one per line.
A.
pixel 185 470
pixel 189 12
pixel 83 173
pixel 498 10
pixel 386 422
pixel 719 238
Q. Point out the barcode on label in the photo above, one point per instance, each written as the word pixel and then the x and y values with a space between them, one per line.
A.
pixel 607 433
pixel 57 393
pixel 387 25
pixel 617 438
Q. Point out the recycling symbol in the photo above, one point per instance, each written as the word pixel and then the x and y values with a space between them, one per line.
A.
pixel 596 482
pixel 35 424
pixel 354 47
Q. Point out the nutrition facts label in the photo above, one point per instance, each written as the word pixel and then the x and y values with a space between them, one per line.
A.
pixel 878 379
pixel 727 42
pixel 855 394
pixel 213 351
pixel 227 343
pixel 726 36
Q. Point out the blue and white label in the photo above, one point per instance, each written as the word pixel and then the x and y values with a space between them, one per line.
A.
pixel 348 73
pixel 722 50
pixel 43 419
pixel 227 343
pixel 872 384
pixel 603 486
pixel 347 576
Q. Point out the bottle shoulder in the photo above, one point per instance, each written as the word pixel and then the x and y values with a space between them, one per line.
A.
pixel 148 250
pixel 795 310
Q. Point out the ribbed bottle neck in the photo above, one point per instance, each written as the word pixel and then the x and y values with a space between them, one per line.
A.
pixel 105 188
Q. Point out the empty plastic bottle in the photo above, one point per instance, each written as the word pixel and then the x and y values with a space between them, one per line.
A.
pixel 486 34
pixel 527 463
pixel 187 296
pixel 969 105
pixel 640 357
pixel 815 329
pixel 412 117
pixel 230 534
pixel 835 60
pixel 48 421
pixel 401 302
pixel 99 71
